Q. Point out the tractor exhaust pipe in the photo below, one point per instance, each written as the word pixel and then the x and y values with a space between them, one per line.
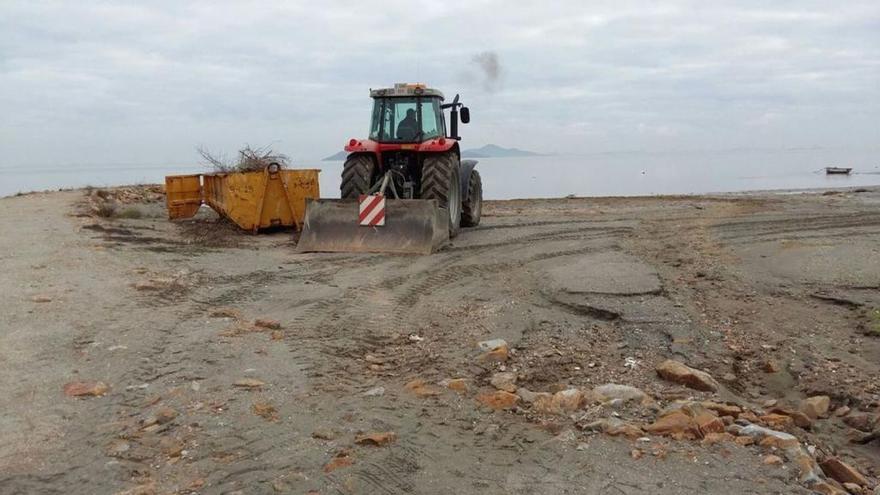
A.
pixel 453 117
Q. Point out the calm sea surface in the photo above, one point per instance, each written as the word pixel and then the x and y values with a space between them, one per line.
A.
pixel 609 174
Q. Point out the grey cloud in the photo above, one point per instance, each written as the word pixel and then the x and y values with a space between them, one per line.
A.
pixel 88 81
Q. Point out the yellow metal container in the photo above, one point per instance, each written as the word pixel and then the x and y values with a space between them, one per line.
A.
pixel 183 195
pixel 272 197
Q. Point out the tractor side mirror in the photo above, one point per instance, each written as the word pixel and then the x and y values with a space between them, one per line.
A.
pixel 465 115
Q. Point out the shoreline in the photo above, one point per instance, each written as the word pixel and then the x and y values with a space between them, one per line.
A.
pixel 756 192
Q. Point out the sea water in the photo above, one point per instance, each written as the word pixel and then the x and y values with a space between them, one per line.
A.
pixel 598 174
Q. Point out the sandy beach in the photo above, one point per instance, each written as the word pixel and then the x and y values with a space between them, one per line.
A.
pixel 145 356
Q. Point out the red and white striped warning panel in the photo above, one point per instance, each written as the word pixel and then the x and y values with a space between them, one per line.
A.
pixel 372 210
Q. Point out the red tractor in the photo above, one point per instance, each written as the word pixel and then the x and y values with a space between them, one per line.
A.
pixel 412 159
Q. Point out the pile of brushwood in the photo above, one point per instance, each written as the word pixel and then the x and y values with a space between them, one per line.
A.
pixel 249 159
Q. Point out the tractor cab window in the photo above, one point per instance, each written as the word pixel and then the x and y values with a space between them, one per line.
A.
pixel 406 120
pixel 432 119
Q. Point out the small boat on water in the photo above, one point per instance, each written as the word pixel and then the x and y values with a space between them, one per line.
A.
pixel 837 170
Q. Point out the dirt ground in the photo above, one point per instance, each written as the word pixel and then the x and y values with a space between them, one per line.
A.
pixel 775 296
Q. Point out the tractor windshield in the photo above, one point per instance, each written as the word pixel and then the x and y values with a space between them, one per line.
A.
pixel 406 120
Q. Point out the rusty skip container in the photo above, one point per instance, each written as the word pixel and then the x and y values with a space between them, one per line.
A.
pixel 272 197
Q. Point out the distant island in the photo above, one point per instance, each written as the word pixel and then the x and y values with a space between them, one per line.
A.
pixel 337 157
pixel 495 151
pixel 488 151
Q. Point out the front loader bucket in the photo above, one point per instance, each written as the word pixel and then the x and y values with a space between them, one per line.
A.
pixel 413 226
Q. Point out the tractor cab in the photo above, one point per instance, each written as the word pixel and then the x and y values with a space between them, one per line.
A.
pixel 412 113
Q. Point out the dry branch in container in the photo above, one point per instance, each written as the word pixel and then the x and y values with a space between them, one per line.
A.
pixel 249 159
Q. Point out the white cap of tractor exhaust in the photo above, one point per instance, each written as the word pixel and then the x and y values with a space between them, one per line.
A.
pixel 406 89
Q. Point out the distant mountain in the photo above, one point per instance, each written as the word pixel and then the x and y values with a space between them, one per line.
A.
pixel 488 151
pixel 338 157
pixel 495 151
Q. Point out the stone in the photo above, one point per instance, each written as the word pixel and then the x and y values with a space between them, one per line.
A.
pixel 799 418
pixel 777 443
pixel 771 366
pixel 145 489
pixel 708 422
pixel 562 402
pixel 612 391
pixel 528 396
pixel 145 285
pixel 816 407
pixel 277 335
pixel 861 421
pixel 636 454
pixel 42 299
pixel 676 424
pixel 834 468
pixel 226 313
pixel 620 428
pixel 852 487
pixel 744 441
pixel 267 324
pixel 251 383
pixel 324 434
pixel 772 460
pixel 505 381
pixel 491 345
pixel 825 488
pixel 372 359
pixel 421 388
pixel 777 421
pixel 680 373
pixel 160 416
pixel 761 432
pixel 713 438
pixel 842 411
pixel 722 409
pixel 117 447
pixel 459 385
pixel 497 355
pixel 266 411
pixel 375 392
pixel 808 470
pixel 498 399
pixel 687 419
pixel 341 460
pixel 86 389
pixel 748 416
pixel 171 447
pixel 376 439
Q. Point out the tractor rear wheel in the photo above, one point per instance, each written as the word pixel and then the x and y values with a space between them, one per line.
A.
pixel 472 207
pixel 440 181
pixel 357 174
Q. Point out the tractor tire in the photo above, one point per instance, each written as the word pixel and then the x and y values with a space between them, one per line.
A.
pixel 472 207
pixel 357 175
pixel 440 181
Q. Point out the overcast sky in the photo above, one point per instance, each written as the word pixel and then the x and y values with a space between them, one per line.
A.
pixel 147 82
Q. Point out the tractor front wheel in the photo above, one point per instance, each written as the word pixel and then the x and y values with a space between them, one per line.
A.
pixel 357 175
pixel 440 181
pixel 472 207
